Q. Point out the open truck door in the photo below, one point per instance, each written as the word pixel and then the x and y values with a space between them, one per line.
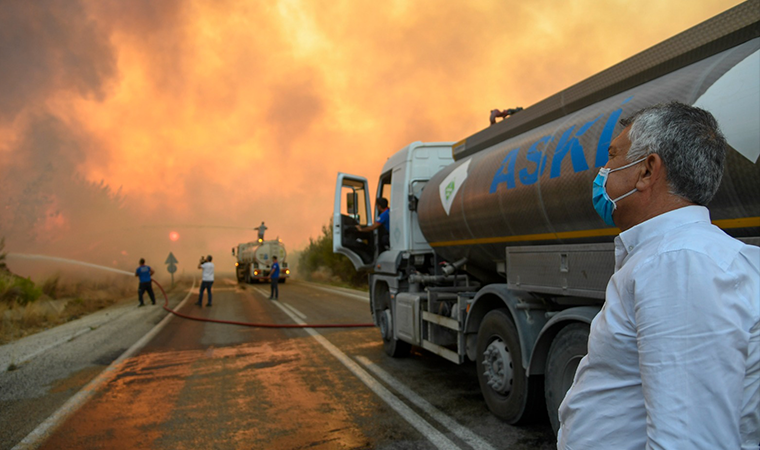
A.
pixel 351 208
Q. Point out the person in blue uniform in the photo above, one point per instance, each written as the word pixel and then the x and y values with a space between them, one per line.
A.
pixel 274 276
pixel 144 273
pixel 382 224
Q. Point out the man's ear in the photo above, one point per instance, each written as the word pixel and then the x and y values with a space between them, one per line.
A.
pixel 652 171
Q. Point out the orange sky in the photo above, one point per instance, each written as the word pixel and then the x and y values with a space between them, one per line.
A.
pixel 227 113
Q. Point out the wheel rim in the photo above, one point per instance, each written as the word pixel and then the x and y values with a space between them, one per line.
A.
pixel 497 366
pixel 386 325
pixel 568 372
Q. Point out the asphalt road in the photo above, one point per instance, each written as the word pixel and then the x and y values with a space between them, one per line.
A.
pixel 199 385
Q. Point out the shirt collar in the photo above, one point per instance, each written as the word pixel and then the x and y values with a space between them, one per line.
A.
pixel 659 225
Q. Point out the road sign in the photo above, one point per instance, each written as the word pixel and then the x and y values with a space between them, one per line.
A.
pixel 171 261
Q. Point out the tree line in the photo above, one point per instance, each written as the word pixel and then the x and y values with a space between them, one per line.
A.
pixel 317 262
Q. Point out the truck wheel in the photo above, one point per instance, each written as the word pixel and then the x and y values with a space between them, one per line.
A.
pixel 567 349
pixel 508 392
pixel 282 280
pixel 393 347
pixel 381 303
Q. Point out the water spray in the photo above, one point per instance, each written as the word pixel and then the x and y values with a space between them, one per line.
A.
pixel 69 261
pixel 196 226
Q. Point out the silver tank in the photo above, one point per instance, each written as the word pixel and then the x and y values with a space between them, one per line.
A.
pixel 534 188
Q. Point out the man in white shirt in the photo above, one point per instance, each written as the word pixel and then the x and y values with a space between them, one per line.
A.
pixel 207 279
pixel 674 356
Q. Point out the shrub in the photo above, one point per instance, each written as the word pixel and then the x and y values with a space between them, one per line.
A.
pixel 3 267
pixel 18 290
pixel 50 286
pixel 318 262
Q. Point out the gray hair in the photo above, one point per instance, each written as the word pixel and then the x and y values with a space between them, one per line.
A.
pixel 690 143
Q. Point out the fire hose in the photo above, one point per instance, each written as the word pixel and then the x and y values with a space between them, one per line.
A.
pixel 256 325
pixel 186 316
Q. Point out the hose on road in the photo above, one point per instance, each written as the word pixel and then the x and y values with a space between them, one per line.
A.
pixel 256 325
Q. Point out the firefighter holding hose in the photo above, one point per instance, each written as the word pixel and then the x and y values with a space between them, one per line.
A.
pixel 144 273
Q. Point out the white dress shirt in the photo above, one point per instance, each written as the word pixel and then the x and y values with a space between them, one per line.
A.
pixel 674 355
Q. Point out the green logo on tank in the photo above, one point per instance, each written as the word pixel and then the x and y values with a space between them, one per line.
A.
pixel 450 189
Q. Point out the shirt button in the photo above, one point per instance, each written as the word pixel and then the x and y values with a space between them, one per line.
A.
pixel 630 247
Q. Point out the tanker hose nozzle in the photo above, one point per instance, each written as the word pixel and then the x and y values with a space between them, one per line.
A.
pixel 448 269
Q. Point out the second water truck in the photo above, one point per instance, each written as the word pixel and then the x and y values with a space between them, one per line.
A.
pixel 254 260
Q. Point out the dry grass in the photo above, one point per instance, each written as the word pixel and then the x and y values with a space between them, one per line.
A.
pixel 62 301
pixel 22 320
pixel 323 275
pixel 19 321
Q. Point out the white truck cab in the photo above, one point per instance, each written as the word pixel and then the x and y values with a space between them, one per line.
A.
pixel 402 179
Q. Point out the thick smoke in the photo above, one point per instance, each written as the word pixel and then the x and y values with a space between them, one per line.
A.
pixel 54 51
pixel 47 47
pixel 121 121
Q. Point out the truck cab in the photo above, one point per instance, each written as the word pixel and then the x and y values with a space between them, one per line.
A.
pixel 402 179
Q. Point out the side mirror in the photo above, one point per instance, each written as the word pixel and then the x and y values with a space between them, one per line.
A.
pixel 233 251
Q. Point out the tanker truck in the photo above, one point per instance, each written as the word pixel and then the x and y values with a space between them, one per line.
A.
pixel 254 260
pixel 496 253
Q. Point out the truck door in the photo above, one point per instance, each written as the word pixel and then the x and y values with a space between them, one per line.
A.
pixel 351 208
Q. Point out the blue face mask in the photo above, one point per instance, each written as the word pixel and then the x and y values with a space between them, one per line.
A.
pixel 603 204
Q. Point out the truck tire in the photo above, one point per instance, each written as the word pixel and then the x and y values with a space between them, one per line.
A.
pixel 508 392
pixel 282 280
pixel 393 347
pixel 567 349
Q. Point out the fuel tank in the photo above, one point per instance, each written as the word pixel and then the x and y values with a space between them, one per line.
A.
pixel 262 253
pixel 533 186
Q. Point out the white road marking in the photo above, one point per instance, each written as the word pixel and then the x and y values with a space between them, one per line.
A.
pixel 261 291
pixel 362 297
pixel 462 432
pixel 434 436
pixel 43 431
pixel 295 311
